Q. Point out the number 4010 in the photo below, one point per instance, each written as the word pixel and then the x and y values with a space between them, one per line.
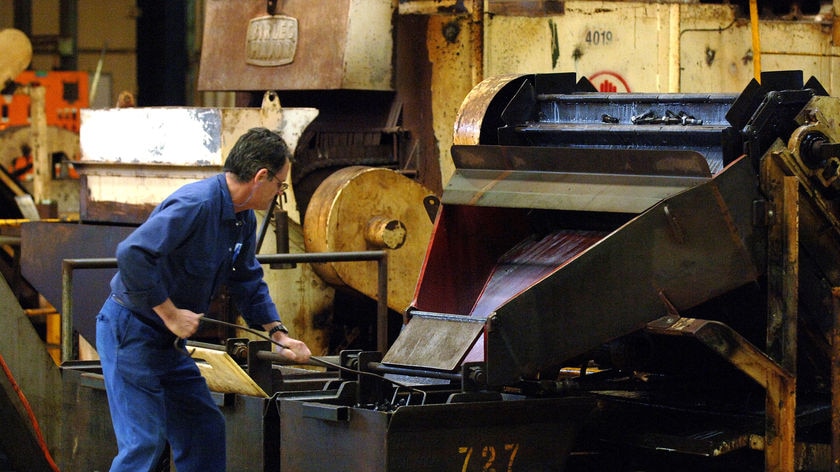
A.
pixel 599 38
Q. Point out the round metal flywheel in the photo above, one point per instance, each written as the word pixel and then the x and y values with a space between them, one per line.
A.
pixel 368 208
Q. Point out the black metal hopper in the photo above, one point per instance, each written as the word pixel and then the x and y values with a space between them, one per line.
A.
pixel 546 248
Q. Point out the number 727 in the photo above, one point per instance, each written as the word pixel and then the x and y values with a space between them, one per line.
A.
pixel 489 457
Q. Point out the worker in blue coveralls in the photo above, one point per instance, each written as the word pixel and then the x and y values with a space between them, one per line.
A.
pixel 199 238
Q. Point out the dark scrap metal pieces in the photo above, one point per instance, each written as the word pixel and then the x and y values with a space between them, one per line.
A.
pixel 668 118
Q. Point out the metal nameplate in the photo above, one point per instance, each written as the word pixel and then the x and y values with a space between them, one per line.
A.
pixel 271 40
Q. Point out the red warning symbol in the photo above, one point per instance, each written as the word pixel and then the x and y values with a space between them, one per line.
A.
pixel 609 82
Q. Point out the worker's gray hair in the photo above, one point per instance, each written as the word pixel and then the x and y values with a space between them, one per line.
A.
pixel 258 148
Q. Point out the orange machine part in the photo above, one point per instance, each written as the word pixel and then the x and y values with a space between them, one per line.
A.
pixel 66 94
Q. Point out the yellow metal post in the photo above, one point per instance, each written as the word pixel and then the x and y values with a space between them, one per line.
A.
pixel 756 42
pixel 782 310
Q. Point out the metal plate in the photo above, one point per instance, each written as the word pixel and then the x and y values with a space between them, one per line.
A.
pixel 612 180
pixel 45 245
pixel 342 44
pixel 434 341
pixel 190 136
pixel 681 252
pixel 271 40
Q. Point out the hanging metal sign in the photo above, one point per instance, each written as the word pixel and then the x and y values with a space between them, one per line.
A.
pixel 271 40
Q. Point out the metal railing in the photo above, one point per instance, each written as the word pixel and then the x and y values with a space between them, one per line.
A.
pixel 68 266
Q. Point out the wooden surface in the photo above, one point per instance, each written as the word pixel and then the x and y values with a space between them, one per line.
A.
pixel 223 374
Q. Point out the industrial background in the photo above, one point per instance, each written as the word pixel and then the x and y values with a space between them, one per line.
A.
pixel 519 235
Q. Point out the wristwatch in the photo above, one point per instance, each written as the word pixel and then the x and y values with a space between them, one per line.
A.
pixel 277 328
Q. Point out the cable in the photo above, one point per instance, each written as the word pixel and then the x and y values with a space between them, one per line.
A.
pixel 40 437
pixel 317 360
pixel 719 29
pixel 244 328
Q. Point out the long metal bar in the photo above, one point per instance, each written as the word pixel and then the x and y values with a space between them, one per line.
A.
pixel 265 222
pixel 278 358
pixel 434 374
pixel 68 266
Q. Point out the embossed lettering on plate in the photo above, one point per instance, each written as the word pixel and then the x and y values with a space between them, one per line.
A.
pixel 271 40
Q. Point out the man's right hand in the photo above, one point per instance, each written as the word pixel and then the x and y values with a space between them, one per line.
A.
pixel 183 323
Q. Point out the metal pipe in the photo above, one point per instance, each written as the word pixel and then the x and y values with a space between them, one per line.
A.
pixel 381 368
pixel 674 48
pixel 15 222
pixel 477 41
pixel 382 279
pixel 278 358
pixel 39 141
pixel 316 257
pixel 270 355
pixel 756 41
pixel 264 226
pixel 281 236
pixel 381 257
pixel 382 304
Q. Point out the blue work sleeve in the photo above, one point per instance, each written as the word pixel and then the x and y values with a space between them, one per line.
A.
pixel 145 258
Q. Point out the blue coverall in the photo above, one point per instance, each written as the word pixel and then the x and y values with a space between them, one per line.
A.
pixel 192 244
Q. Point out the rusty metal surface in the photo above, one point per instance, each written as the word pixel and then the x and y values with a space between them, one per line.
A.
pixel 778 382
pixel 803 236
pixel 683 250
pixel 341 44
pixel 819 214
pixel 835 378
pixel 84 400
pixel 132 158
pixel 474 109
pixel 783 255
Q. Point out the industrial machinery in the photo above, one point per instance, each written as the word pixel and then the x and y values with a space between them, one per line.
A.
pixel 596 281
pixel 624 281
pixel 614 282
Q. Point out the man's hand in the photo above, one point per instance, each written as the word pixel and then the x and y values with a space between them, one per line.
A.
pixel 183 323
pixel 295 350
